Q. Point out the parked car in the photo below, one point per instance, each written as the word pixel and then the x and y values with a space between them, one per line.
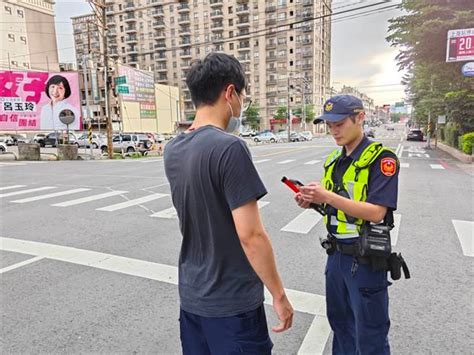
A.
pixel 390 128
pixel 282 136
pixel 415 135
pixel 18 138
pixel 266 137
pixel 296 137
pixel 97 140
pixel 307 135
pixel 3 147
pixel 59 138
pixel 159 138
pixel 38 138
pixel 249 133
pixel 129 142
pixel 6 139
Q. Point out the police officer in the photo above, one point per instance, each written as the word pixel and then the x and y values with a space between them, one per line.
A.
pixel 359 188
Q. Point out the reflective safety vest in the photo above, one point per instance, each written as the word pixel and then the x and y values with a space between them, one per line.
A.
pixel 354 184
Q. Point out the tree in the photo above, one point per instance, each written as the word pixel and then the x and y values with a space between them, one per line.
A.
pixel 252 117
pixel 395 117
pixel 282 113
pixel 309 113
pixel 434 87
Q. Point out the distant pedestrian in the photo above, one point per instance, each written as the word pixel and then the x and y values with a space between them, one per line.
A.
pixel 226 255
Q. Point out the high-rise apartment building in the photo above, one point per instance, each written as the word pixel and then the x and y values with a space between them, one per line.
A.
pixel 28 35
pixel 284 45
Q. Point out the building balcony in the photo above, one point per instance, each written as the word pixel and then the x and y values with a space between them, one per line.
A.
pixel 244 23
pixel 307 2
pixel 185 31
pixel 271 45
pixel 271 58
pixel 158 13
pixel 158 25
pixel 242 9
pixel 159 57
pixel 307 54
pixel 217 38
pixel 306 41
pixel 270 21
pixel 244 59
pixel 183 7
pixel 159 35
pixel 183 19
pixel 271 8
pixel 218 26
pixel 242 34
pixel 215 3
pixel 307 66
pixel 132 50
pixel 130 18
pixel 131 29
pixel 243 48
pixel 271 94
pixel 217 14
pixel 130 39
pixel 185 54
pixel 129 6
pixel 185 43
pixel 160 45
pixel 161 68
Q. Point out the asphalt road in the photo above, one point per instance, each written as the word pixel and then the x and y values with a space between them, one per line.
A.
pixel 89 249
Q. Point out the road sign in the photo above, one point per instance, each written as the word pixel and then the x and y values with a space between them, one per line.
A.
pixel 468 69
pixel 460 46
pixel 120 80
pixel 123 90
pixel 442 119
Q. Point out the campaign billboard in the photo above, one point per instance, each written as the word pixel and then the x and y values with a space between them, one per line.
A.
pixel 33 101
pixel 139 87
pixel 460 45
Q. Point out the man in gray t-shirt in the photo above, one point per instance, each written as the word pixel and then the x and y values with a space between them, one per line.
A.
pixel 226 255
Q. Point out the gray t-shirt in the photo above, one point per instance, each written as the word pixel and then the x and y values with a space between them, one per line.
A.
pixel 210 174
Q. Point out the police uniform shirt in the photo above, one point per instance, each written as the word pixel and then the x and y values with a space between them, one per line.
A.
pixel 383 185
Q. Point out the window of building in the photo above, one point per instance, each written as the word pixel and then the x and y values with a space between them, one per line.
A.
pixel 282 16
pixel 231 34
pixel 255 17
pixel 230 9
pixel 291 63
pixel 196 15
pixel 11 37
pixel 121 28
pixel 175 65
pixel 120 7
pixel 26 65
pixel 20 13
pixel 14 63
pixel 231 46
pixel 121 17
pixel 8 10
pixel 231 22
pixel 205 14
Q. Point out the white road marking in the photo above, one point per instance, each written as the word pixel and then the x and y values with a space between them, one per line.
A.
pixel 398 149
pixel 22 192
pixel 151 161
pixel 12 164
pixel 302 301
pixel 89 198
pixel 20 264
pixel 130 203
pixel 437 166
pixel 303 223
pixel 397 219
pixel 411 155
pixel 465 233
pixel 170 213
pixel 427 155
pixel 286 161
pixel 404 165
pixel 312 162
pixel 400 153
pixel 316 338
pixel 11 187
pixel 55 194
pixel 261 161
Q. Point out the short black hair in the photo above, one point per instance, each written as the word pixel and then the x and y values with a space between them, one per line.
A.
pixel 208 77
pixel 56 80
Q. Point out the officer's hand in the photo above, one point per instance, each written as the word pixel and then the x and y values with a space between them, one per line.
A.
pixel 301 202
pixel 314 192
pixel 284 312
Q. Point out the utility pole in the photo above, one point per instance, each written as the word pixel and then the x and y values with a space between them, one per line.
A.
pixel 85 62
pixel 106 84
pixel 428 139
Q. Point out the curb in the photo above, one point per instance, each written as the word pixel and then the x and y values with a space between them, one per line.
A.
pixel 465 158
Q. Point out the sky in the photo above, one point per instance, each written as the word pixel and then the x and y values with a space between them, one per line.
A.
pixel 360 55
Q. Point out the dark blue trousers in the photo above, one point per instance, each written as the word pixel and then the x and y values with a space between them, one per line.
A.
pixel 245 333
pixel 357 306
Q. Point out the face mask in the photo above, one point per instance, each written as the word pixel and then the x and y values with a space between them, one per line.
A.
pixel 234 122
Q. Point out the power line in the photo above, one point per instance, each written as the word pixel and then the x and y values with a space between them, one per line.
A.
pixel 266 31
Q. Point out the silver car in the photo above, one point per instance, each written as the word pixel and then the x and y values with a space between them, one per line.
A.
pixel 97 140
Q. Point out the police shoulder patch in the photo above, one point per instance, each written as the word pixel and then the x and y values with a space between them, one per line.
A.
pixel 388 166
